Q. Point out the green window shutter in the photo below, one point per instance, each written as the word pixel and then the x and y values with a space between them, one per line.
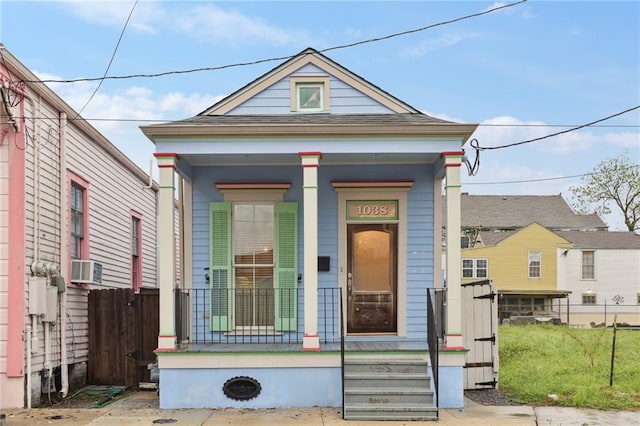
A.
pixel 286 281
pixel 220 266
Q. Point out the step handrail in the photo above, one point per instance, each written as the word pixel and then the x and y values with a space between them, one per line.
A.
pixel 342 349
pixel 432 343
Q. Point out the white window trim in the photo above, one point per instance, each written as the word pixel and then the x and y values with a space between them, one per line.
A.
pixel 539 252
pixel 582 277
pixel 475 268
pixel 299 81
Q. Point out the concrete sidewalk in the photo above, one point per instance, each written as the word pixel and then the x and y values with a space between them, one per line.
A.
pixel 141 408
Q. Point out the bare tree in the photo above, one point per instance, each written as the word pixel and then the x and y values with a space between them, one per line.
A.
pixel 614 181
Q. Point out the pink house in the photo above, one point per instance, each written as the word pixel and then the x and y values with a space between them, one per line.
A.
pixel 75 214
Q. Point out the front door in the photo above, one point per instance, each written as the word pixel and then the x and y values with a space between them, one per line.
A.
pixel 371 277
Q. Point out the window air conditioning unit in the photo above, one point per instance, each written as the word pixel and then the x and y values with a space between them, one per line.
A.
pixel 86 272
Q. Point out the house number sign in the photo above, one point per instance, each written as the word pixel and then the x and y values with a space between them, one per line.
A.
pixel 368 210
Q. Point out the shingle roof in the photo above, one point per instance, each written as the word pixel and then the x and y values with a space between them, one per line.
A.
pixel 518 211
pixel 296 119
pixel 491 238
pixel 602 240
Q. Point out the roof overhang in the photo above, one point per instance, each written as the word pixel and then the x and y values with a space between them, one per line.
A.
pixel 546 293
pixel 187 131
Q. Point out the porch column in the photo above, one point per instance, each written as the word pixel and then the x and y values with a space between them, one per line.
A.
pixel 310 164
pixel 453 337
pixel 166 250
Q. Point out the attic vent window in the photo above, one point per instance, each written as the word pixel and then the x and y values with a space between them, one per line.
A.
pixel 309 94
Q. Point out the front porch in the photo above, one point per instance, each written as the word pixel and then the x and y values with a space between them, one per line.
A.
pixel 198 373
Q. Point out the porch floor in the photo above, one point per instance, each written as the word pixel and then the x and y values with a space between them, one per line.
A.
pixel 349 346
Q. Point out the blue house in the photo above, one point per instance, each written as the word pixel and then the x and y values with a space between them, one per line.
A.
pixel 310 218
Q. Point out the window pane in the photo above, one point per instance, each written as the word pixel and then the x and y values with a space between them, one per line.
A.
pixel 77 221
pixel 481 268
pixel 253 234
pixel 135 238
pixel 588 263
pixel 534 264
pixel 310 96
pixel 467 268
pixel 253 240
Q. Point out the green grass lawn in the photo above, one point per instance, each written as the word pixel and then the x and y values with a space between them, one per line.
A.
pixel 557 365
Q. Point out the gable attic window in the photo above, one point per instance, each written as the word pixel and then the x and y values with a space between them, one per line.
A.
pixel 309 94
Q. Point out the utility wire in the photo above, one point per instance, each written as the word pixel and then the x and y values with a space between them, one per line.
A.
pixel 279 58
pixel 474 167
pixel 113 55
pixel 540 179
pixel 476 145
pixel 161 120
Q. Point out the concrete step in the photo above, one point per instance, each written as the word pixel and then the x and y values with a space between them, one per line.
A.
pixel 385 366
pixel 390 412
pixel 388 389
pixel 389 396
pixel 381 381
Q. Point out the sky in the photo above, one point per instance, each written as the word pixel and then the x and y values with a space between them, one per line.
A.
pixel 522 72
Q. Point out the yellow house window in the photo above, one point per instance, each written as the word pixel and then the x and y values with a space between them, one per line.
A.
pixel 535 260
pixel 475 268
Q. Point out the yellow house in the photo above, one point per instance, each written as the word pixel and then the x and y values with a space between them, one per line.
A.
pixel 522 265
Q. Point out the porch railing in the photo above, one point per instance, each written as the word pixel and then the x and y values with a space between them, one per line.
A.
pixel 434 335
pixel 251 316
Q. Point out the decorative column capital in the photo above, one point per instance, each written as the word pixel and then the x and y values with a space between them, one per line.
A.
pixel 166 159
pixel 452 158
pixel 310 159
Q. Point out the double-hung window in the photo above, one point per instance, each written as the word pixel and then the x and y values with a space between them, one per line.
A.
pixel 475 268
pixel 588 299
pixel 588 265
pixel 535 264
pixel 253 266
pixel 77 220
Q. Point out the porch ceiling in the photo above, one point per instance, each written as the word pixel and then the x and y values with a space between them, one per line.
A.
pixel 294 159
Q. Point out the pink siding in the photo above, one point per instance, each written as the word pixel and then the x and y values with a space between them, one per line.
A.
pixel 17 273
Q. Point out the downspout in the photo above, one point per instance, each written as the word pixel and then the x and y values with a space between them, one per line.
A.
pixel 64 254
pixel 28 339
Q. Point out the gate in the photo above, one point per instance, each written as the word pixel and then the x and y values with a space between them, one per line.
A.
pixel 123 332
pixel 480 330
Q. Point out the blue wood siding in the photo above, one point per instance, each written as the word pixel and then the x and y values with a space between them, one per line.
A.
pixel 276 98
pixel 420 255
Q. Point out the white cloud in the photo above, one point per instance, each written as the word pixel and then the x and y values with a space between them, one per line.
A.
pixel 623 140
pixel 444 116
pixel 431 44
pixel 505 130
pixel 206 22
pixel 145 16
pixel 213 23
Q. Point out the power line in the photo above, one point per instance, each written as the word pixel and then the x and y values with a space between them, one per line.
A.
pixel 540 179
pixel 279 58
pixel 476 145
pixel 113 55
pixel 164 120
pixel 474 167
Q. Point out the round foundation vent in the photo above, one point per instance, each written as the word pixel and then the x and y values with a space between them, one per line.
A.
pixel 241 388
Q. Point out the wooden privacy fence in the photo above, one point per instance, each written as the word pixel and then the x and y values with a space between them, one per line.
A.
pixel 123 333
